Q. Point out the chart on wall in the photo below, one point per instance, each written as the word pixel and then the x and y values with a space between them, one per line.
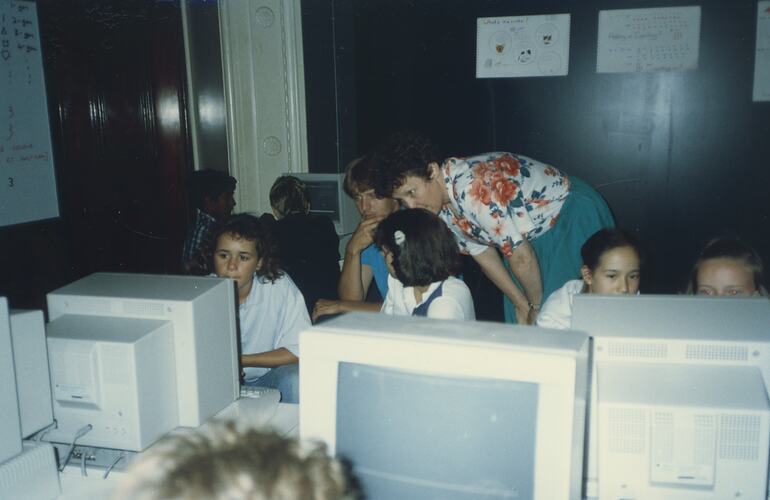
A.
pixel 639 40
pixel 27 178
pixel 762 53
pixel 520 46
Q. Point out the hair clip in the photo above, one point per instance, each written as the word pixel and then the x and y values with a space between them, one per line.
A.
pixel 399 237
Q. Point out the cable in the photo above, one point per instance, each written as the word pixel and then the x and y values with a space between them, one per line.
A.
pixel 83 463
pixel 80 433
pixel 109 469
pixel 45 430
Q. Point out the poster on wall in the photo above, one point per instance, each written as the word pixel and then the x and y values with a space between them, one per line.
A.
pixel 27 181
pixel 509 47
pixel 762 53
pixel 640 40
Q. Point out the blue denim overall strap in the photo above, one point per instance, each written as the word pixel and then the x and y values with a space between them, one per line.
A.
pixel 422 309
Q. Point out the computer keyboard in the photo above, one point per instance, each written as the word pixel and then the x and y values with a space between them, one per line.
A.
pixel 251 391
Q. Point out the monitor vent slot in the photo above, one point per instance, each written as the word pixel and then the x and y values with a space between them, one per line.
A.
pixel 712 352
pixel 663 440
pixel 636 350
pixel 627 430
pixel 138 308
pixel 88 306
pixel 704 439
pixel 739 437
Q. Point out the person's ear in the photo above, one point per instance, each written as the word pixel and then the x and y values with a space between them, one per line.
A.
pixel 259 264
pixel 586 274
pixel 434 171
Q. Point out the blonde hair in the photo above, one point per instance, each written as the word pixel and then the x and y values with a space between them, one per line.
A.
pixel 288 195
pixel 225 463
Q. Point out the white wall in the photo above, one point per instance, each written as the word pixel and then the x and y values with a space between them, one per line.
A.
pixel 265 94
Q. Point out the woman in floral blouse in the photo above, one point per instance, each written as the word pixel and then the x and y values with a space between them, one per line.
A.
pixel 534 214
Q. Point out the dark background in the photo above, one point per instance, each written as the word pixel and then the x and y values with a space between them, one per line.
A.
pixel 115 78
pixel 680 156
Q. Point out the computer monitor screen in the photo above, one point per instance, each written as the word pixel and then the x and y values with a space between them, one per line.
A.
pixel 108 331
pixel 328 198
pixel 685 378
pixel 460 410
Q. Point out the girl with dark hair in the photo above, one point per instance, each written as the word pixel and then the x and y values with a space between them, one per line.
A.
pixel 271 310
pixel 612 262
pixel 727 266
pixel 422 259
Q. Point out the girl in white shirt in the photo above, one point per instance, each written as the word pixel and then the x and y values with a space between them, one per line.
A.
pixel 271 309
pixel 612 261
pixel 422 259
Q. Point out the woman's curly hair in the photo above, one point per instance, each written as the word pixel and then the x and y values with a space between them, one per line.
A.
pixel 402 154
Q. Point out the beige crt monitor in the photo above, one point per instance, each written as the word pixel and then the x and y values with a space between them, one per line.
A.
pixel 328 198
pixel 427 408
pixel 33 381
pixel 10 429
pixel 679 403
pixel 201 314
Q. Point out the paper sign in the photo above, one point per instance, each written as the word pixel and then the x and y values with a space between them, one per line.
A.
pixel 638 40
pixel 762 53
pixel 522 46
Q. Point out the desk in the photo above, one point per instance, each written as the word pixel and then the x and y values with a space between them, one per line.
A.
pixel 282 418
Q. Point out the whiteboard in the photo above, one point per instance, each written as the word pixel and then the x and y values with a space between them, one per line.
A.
pixel 27 179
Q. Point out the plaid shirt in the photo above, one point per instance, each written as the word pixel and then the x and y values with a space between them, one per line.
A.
pixel 203 224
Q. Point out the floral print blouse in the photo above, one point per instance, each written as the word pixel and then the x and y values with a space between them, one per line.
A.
pixel 498 199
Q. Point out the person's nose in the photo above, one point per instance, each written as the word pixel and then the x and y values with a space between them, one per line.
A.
pixel 623 286
pixel 410 203
pixel 366 205
pixel 232 264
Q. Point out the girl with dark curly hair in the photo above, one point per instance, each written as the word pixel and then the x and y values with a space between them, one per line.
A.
pixel 271 308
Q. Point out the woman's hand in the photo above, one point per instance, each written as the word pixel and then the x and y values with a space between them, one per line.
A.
pixel 324 307
pixel 525 316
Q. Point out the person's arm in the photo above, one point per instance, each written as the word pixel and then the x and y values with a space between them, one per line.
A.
pixel 523 263
pixel 492 265
pixel 356 277
pixel 269 359
pixel 325 307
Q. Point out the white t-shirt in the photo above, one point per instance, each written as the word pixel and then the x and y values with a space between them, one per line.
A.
pixel 271 317
pixel 557 310
pixel 455 301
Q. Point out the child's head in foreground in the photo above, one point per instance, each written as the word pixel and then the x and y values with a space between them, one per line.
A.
pixel 418 246
pixel 222 463
pixel 727 267
pixel 612 261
